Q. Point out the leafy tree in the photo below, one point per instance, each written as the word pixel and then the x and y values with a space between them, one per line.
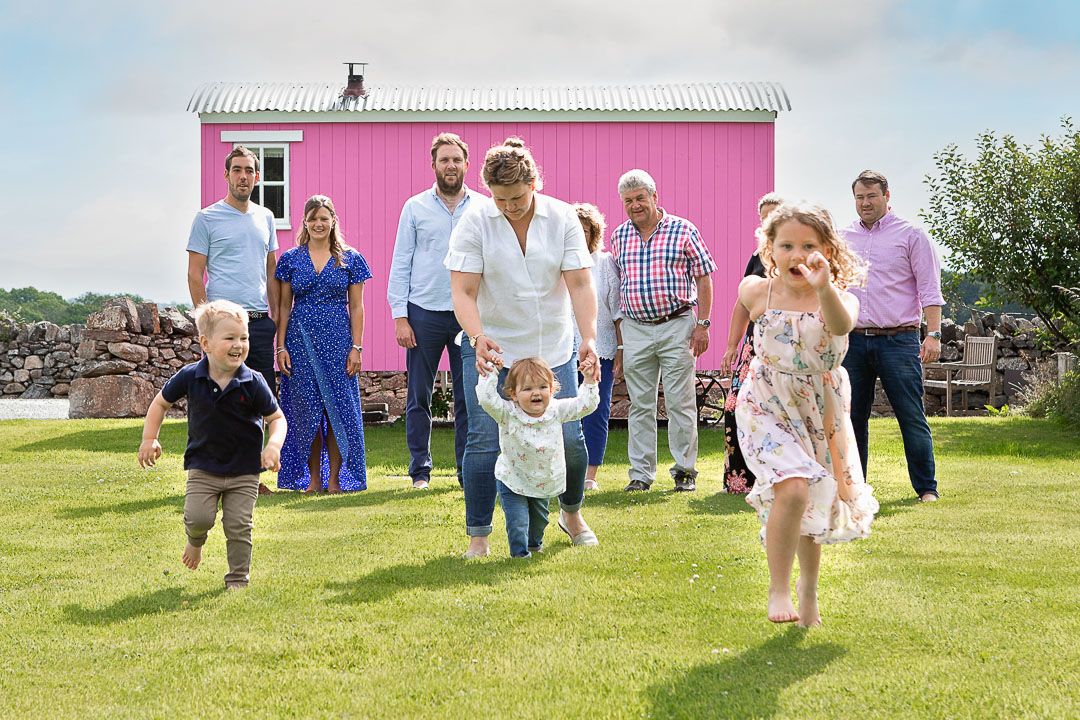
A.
pixel 32 305
pixel 1011 218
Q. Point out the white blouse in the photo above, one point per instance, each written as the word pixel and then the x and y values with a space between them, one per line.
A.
pixel 523 301
pixel 531 461
pixel 608 306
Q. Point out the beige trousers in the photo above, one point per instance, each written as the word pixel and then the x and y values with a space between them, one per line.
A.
pixel 237 494
pixel 652 353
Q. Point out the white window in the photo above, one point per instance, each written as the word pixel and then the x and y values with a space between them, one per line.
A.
pixel 272 149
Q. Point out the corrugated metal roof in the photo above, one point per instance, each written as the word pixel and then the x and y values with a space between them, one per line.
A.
pixel 225 97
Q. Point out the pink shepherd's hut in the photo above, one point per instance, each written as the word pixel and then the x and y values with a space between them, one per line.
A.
pixel 710 147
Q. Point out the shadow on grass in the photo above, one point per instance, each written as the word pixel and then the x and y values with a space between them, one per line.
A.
pixel 325 502
pixel 720 504
pixel 747 685
pixel 121 440
pixel 436 574
pixel 170 599
pixel 123 508
pixel 892 507
pixel 619 498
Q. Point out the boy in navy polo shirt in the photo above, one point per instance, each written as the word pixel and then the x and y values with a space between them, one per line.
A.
pixel 227 406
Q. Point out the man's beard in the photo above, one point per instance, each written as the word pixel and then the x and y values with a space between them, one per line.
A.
pixel 448 189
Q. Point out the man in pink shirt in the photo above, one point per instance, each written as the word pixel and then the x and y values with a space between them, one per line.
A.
pixel 903 283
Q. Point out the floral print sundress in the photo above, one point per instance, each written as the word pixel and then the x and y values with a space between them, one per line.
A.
pixel 794 420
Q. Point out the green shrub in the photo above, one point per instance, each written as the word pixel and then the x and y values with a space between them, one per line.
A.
pixel 1045 397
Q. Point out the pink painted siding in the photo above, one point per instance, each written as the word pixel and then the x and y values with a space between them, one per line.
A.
pixel 710 173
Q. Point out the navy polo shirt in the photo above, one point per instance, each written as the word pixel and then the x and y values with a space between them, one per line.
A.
pixel 225 427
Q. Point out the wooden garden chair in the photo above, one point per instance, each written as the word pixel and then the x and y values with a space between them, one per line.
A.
pixel 974 372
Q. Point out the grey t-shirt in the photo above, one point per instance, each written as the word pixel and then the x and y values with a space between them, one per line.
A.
pixel 235 245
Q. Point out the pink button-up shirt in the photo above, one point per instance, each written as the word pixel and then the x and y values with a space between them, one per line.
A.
pixel 904 275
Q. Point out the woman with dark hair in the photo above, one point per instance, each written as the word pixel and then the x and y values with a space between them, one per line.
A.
pixel 518 263
pixel 319 340
pixel 738 478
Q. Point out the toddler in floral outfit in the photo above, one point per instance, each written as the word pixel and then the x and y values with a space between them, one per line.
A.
pixel 531 467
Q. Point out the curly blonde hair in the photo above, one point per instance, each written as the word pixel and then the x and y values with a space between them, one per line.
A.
pixel 592 221
pixel 846 268
pixel 526 369
pixel 208 314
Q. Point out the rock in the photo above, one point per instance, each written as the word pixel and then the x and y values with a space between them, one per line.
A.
pixel 14 388
pixel 110 318
pixel 59 389
pixel 148 318
pixel 17 361
pixel 129 351
pixel 989 321
pixel 976 319
pixel 21 376
pixel 971 328
pixel 33 363
pixel 394 382
pixel 87 350
pixel 65 334
pixel 97 368
pixel 949 353
pixel 948 331
pixel 35 392
pixel 177 322
pixel 1012 363
pixel 1024 325
pixel 1022 341
pixel 168 353
pixel 76 334
pixel 1007 324
pixel 111 396
pixel 106 335
pixel 130 312
pixel 61 357
pixel 6 377
pixel 1005 351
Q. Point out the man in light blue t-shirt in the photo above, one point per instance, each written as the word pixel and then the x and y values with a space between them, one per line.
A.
pixel 234 243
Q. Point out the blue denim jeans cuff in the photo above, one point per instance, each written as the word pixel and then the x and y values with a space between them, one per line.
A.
pixel 570 508
pixel 478 531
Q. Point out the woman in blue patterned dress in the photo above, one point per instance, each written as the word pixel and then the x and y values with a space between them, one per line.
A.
pixel 319 352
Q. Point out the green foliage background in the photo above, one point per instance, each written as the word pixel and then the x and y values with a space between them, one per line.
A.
pixel 31 305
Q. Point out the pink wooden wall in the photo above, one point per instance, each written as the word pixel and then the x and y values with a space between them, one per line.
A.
pixel 710 173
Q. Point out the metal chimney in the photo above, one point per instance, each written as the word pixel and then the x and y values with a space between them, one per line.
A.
pixel 355 88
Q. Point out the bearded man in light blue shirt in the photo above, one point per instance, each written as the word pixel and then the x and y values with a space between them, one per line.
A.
pixel 418 292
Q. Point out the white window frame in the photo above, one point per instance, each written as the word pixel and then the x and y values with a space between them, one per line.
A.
pixel 259 141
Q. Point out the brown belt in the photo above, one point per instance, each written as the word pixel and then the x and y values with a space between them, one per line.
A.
pixel 885 331
pixel 670 316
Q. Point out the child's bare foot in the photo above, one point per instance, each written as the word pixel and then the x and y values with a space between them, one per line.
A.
pixel 780 608
pixel 808 608
pixel 192 556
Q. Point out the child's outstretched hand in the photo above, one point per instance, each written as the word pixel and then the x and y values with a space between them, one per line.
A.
pixel 149 451
pixel 816 270
pixel 271 457
pixel 497 362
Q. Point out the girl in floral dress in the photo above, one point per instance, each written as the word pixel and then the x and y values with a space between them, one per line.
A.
pixel 532 467
pixel 793 410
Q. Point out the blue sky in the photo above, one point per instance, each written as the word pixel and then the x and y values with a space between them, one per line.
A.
pixel 101 167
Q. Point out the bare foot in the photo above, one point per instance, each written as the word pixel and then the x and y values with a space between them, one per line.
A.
pixel 808 608
pixel 478 547
pixel 928 497
pixel 780 608
pixel 333 487
pixel 263 490
pixel 313 488
pixel 192 556
pixel 592 485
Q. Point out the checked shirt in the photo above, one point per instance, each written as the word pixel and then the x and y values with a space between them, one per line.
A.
pixel 658 275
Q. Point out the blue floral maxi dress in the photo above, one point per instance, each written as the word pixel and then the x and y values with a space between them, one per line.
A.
pixel 794 421
pixel 319 389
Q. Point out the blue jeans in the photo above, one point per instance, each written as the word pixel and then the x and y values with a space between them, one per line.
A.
pixel 434 331
pixel 595 425
pixel 894 359
pixel 526 518
pixel 482 448
pixel 261 339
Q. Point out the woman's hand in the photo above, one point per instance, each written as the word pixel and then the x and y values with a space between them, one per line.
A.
pixel 352 365
pixel 284 362
pixel 486 350
pixel 617 365
pixel 816 271
pixel 727 360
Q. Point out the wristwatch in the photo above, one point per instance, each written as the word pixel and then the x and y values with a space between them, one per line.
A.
pixel 474 338
pixel 705 323
pixel 936 334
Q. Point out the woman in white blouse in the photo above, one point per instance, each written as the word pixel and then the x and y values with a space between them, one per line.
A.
pixel 518 263
pixel 608 337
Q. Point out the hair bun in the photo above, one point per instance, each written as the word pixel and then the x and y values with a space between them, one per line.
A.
pixel 515 142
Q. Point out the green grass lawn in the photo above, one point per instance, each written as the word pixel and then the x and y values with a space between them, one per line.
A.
pixel 360 607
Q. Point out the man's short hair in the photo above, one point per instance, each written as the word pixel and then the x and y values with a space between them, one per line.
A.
pixel 241 151
pixel 635 179
pixel 208 314
pixel 870 177
pixel 448 138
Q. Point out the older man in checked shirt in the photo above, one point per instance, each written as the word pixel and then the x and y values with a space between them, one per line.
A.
pixel 903 283
pixel 664 267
